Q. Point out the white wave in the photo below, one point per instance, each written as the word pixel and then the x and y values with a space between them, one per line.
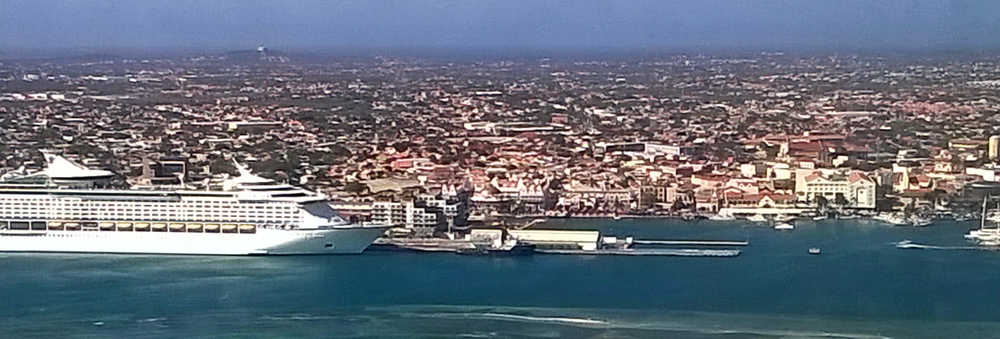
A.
pixel 299 317
pixel 511 317
pixel 150 320
pixel 698 324
pixel 912 245
pixel 544 319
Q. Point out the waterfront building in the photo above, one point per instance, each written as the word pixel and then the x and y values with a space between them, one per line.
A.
pixel 405 214
pixel 852 189
pixel 425 211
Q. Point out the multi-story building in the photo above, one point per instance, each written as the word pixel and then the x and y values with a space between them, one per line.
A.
pixel 403 214
pixel 424 212
pixel 852 189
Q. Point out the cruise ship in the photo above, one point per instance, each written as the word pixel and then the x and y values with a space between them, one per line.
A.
pixel 68 207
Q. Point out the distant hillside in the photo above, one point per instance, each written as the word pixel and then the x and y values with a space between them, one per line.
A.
pixel 256 56
pixel 66 59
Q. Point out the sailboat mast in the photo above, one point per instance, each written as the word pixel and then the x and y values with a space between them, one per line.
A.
pixel 982 219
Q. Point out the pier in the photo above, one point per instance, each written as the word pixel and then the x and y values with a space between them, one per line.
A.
pixel 691 242
pixel 648 252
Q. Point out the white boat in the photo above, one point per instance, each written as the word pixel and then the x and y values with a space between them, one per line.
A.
pixel 920 222
pixel 722 217
pixel 819 218
pixel 784 226
pixel 814 250
pixel 68 208
pixel 784 218
pixel 757 218
pixel 892 219
pixel 983 235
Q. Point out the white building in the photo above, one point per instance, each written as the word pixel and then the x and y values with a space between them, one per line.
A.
pixel 855 187
pixel 423 212
pixel 987 173
pixel 402 213
pixel 645 149
pixel 450 210
pixel 994 148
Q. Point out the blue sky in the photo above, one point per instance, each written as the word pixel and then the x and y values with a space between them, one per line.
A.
pixel 213 25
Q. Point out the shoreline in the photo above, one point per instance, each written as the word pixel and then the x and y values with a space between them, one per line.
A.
pixel 697 218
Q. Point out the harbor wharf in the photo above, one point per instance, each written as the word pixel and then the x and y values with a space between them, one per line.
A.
pixel 691 242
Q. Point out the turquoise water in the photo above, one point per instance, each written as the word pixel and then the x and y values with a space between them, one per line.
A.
pixel 860 287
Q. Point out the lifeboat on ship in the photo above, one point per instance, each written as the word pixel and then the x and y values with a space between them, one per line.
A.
pixel 212 228
pixel 195 227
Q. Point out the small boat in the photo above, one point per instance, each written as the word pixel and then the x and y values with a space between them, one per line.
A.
pixel 814 250
pixel 784 226
pixel 783 218
pixel 757 218
pixel 194 227
pixel 892 219
pixel 819 218
pixel 722 217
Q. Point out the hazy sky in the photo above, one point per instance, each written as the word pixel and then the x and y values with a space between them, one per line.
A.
pixel 213 25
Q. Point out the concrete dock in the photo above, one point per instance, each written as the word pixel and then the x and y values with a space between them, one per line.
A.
pixel 691 242
pixel 649 252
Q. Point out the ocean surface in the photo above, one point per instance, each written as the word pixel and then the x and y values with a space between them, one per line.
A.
pixel 861 286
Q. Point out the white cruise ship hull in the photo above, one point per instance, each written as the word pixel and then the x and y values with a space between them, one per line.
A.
pixel 346 240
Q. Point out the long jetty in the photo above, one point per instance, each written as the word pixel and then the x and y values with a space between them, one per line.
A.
pixel 691 242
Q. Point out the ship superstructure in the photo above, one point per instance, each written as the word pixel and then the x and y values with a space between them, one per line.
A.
pixel 67 208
